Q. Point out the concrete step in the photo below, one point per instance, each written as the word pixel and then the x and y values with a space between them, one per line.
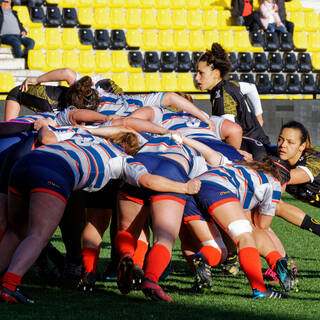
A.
pixel 5 50
pixel 23 72
pixel 6 56
pixel 19 80
pixel 12 64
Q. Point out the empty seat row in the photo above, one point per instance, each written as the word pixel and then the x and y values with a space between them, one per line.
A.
pixel 274 62
pixel 159 4
pixel 305 21
pixel 281 84
pixel 163 40
pixel 132 18
pixel 117 61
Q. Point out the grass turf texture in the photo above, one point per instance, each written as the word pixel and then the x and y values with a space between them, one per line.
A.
pixel 230 299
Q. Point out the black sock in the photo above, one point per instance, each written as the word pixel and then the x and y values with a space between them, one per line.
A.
pixel 311 225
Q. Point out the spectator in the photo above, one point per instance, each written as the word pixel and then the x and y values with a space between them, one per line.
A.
pixel 242 11
pixel 12 31
pixel 283 15
pixel 270 17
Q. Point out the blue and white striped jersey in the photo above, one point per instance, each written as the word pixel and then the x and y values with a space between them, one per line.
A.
pixel 187 124
pixel 253 188
pixel 95 160
pixel 165 145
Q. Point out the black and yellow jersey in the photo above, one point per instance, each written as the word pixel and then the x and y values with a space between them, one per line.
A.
pixel 226 98
pixel 40 98
pixel 308 192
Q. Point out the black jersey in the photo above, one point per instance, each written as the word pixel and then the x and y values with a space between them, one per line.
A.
pixel 41 98
pixel 226 98
pixel 308 192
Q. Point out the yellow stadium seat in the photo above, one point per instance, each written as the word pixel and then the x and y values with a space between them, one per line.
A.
pixel 168 82
pixel 165 40
pixel 194 19
pixel 192 4
pixel 294 5
pixel 242 42
pixel 226 39
pixel 148 18
pixel 119 61
pixel 164 19
pixel 147 3
pixel 297 17
pixel 102 61
pixel 53 2
pixel 84 3
pixel 36 60
pixel 6 82
pixel 196 40
pixel 117 18
pixel 86 61
pixel 210 36
pixel 162 4
pixel 180 40
pixel 37 34
pixel 177 4
pixel 300 40
pixel 53 60
pixel 265 97
pixel 131 3
pixel 24 17
pixel 314 42
pixel 121 80
pixel 152 81
pixel 134 38
pixel 115 3
pixel 133 18
pixel 256 5
pixel 206 4
pixel 70 59
pixel 70 38
pixel 224 20
pixel 136 82
pixel 209 20
pixel 68 3
pixel 311 20
pixel 179 19
pixel 85 16
pixel 101 19
pixel 315 59
pixel 100 3
pixel 149 39
pixel 52 38
pixel 185 82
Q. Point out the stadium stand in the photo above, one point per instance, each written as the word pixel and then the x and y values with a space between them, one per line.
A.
pixel 166 38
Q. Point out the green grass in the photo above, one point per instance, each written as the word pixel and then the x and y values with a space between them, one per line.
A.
pixel 230 299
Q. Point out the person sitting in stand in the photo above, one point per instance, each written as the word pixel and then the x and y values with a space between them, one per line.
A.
pixel 12 31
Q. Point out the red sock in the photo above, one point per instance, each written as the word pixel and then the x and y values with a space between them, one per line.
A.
pixel 125 243
pixel 11 280
pixel 140 253
pixel 213 255
pixel 250 262
pixel 156 262
pixel 272 258
pixel 1 233
pixel 90 258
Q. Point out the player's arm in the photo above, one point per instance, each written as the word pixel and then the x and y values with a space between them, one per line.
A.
pixel 63 74
pixel 82 116
pixel 175 100
pixel 140 125
pixel 212 157
pixel 298 175
pixel 231 132
pixel 162 184
pixel 107 132
pixel 45 135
